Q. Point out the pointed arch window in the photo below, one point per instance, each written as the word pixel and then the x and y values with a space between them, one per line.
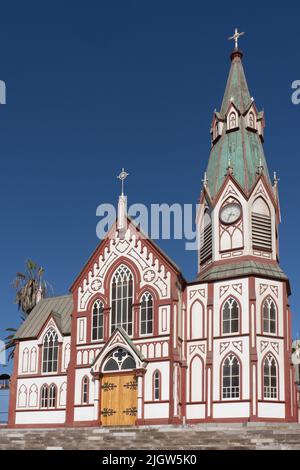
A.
pixel 232 120
pixel 251 120
pixel 270 378
pixel 231 378
pixel 146 324
pixel 85 390
pixel 122 295
pixel 156 385
pixel 231 317
pixel 97 322
pixel 50 351
pixel 119 359
pixel 48 396
pixel 269 316
pixel 44 396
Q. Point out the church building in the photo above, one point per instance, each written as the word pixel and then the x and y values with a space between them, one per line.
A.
pixel 135 343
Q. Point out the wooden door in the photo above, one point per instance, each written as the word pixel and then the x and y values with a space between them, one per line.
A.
pixel 118 400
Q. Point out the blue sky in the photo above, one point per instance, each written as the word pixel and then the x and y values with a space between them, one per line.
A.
pixel 94 86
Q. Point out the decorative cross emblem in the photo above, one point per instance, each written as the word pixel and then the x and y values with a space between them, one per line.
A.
pixel 149 276
pixel 119 354
pixel 122 176
pixel 236 37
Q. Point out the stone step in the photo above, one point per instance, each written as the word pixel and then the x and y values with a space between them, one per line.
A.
pixel 206 436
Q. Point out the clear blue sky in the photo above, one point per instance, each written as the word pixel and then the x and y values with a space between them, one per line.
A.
pixel 93 86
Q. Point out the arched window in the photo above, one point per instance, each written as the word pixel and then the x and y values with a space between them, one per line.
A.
pixel 44 396
pixel 146 327
pixel 50 351
pixel 231 378
pixel 97 324
pixel 232 121
pixel 270 377
pixel 25 360
pixel 156 385
pixel 251 120
pixel 261 222
pixel 230 316
pixel 119 359
pixel 269 316
pixel 85 390
pixel 52 396
pixel 121 305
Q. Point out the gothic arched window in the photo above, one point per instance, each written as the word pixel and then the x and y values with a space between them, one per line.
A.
pixel 50 351
pixel 230 316
pixel 44 396
pixel 97 322
pixel 85 390
pixel 270 377
pixel 269 316
pixel 146 324
pixel 52 396
pixel 251 120
pixel 121 301
pixel 232 121
pixel 119 359
pixel 156 385
pixel 231 378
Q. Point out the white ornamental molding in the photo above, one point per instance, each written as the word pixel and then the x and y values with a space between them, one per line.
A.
pixel 263 345
pixel 229 191
pixel 192 349
pixel 263 288
pixel 260 191
pixel 223 347
pixel 238 288
pixel 153 271
pixel 274 289
pixel 238 345
pixel 199 347
pixel 192 294
pixel 275 346
pixel 202 292
pixel 223 290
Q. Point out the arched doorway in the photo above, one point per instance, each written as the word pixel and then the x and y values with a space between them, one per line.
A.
pixel 118 392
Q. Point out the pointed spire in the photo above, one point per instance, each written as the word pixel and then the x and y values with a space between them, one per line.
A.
pixel 246 140
pixel 205 180
pixel 260 167
pixel 122 204
pixel 229 169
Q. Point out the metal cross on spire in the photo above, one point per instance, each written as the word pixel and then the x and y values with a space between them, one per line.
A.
pixel 122 176
pixel 236 38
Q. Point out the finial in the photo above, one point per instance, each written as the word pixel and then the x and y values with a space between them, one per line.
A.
pixel 229 168
pixel 276 179
pixel 260 167
pixel 236 37
pixel 122 176
pixel 205 180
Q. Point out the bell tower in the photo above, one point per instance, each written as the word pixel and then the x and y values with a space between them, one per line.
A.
pixel 239 210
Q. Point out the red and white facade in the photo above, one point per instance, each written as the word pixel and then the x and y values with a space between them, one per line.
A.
pixel 215 349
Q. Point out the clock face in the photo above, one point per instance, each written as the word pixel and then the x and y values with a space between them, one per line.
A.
pixel 231 213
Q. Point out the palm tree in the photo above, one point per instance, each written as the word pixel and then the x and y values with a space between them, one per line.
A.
pixel 30 288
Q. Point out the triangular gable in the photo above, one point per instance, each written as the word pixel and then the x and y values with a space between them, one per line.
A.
pixel 119 338
pixel 105 244
pixel 54 321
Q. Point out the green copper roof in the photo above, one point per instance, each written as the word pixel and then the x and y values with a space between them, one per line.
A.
pixel 243 147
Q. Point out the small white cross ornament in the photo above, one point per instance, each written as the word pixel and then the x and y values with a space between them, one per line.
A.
pixel 236 37
pixel 122 176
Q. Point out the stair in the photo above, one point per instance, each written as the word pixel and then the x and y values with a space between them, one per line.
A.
pixel 204 436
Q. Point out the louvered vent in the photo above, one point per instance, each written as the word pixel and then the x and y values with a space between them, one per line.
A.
pixel 206 244
pixel 261 232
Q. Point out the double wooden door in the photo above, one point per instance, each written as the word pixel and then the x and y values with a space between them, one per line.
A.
pixel 118 400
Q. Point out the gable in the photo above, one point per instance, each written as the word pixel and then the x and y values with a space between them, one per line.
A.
pixel 61 306
pixel 150 266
